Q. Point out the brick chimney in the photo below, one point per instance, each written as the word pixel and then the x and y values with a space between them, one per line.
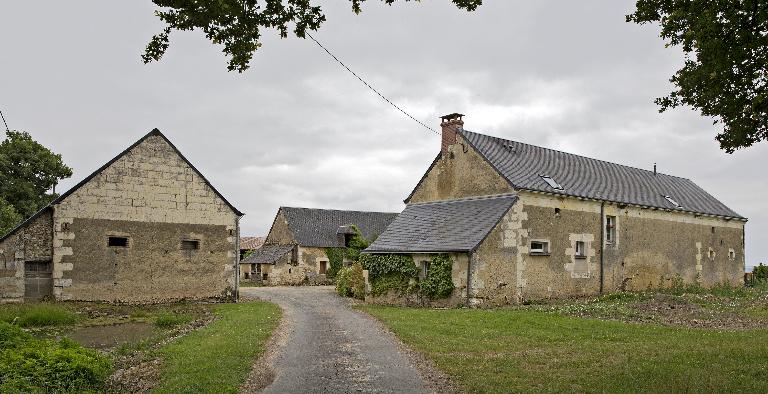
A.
pixel 449 124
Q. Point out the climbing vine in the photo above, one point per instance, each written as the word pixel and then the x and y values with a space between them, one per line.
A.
pixel 336 256
pixel 390 272
pixel 439 281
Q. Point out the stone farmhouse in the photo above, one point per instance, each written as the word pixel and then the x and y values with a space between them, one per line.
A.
pixel 145 227
pixel 294 251
pixel 523 222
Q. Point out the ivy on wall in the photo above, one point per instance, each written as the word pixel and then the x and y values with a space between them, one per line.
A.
pixel 336 256
pixel 439 281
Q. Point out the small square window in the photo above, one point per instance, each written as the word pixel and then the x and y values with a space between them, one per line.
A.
pixel 539 247
pixel 732 254
pixel 581 249
pixel 424 269
pixel 117 242
pixel 190 244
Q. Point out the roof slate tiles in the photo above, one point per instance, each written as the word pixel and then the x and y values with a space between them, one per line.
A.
pixel 443 226
pixel 267 254
pixel 523 165
pixel 318 227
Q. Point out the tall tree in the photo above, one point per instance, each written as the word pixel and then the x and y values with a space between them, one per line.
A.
pixel 237 24
pixel 725 75
pixel 8 217
pixel 28 170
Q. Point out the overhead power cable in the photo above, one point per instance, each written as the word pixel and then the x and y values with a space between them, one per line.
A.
pixel 6 123
pixel 369 85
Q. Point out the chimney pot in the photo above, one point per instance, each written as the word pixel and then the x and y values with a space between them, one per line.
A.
pixel 449 123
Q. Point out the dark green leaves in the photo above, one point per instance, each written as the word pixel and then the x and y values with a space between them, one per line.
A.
pixel 237 24
pixel 725 75
pixel 27 171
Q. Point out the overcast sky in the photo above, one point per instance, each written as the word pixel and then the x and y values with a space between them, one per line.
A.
pixel 298 130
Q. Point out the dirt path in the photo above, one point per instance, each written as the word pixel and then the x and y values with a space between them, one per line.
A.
pixel 330 348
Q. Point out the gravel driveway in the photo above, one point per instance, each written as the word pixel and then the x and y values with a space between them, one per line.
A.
pixel 327 347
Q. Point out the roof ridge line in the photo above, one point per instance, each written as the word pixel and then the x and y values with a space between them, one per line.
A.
pixel 337 210
pixel 471 198
pixel 576 155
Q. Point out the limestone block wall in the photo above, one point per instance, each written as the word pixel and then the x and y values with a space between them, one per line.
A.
pixel 30 243
pixel 285 273
pixel 153 185
pixel 280 233
pixel 460 173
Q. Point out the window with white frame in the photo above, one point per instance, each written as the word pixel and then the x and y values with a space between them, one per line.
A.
pixel 539 247
pixel 610 229
pixel 424 269
pixel 581 249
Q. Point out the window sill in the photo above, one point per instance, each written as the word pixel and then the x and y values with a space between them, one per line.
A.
pixel 580 257
pixel 538 254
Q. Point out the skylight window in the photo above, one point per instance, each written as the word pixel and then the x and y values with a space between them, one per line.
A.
pixel 551 182
pixel 673 202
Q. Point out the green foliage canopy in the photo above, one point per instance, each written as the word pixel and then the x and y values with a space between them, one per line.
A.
pixel 27 171
pixel 725 75
pixel 237 24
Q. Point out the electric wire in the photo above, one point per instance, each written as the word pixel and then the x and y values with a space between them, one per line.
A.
pixel 6 123
pixel 369 85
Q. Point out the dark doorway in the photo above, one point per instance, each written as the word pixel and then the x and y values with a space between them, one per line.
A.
pixel 38 279
pixel 323 267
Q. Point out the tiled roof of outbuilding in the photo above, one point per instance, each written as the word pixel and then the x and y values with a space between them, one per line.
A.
pixel 318 227
pixel 523 166
pixel 267 254
pixel 443 226
pixel 251 243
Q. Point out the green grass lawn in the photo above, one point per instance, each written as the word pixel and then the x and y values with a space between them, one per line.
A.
pixel 218 357
pixel 522 350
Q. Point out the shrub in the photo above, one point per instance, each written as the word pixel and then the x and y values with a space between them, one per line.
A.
pixel 439 281
pixel 350 282
pixel 32 365
pixel 168 320
pixel 760 272
pixel 37 315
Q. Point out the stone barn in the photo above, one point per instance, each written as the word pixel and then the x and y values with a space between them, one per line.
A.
pixel 145 227
pixel 294 251
pixel 524 222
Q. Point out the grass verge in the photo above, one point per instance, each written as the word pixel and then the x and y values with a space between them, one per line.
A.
pixel 218 358
pixel 37 314
pixel 527 350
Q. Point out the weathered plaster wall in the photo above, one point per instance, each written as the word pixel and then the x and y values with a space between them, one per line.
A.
pixel 285 273
pixel 152 186
pixel 30 243
pixel 152 268
pixel 460 173
pixel 280 233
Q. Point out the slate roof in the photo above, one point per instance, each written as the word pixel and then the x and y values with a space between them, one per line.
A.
pixel 267 254
pixel 318 227
pixel 109 163
pixel 443 226
pixel 251 243
pixel 523 166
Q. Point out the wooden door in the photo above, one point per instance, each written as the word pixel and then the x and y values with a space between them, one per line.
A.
pixel 38 279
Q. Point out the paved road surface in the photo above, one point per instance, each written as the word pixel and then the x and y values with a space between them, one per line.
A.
pixel 333 349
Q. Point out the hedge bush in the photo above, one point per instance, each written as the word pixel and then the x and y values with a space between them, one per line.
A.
pixel 29 365
pixel 439 281
pixel 350 282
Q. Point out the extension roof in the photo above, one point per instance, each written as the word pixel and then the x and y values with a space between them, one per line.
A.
pixel 251 243
pixel 443 226
pixel 524 167
pixel 319 227
pixel 154 132
pixel 267 254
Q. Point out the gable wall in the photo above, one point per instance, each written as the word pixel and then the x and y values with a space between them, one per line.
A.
pixel 460 173
pixel 152 196
pixel 653 249
pixel 280 233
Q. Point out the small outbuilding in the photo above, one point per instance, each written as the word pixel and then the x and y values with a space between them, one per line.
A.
pixel 145 227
